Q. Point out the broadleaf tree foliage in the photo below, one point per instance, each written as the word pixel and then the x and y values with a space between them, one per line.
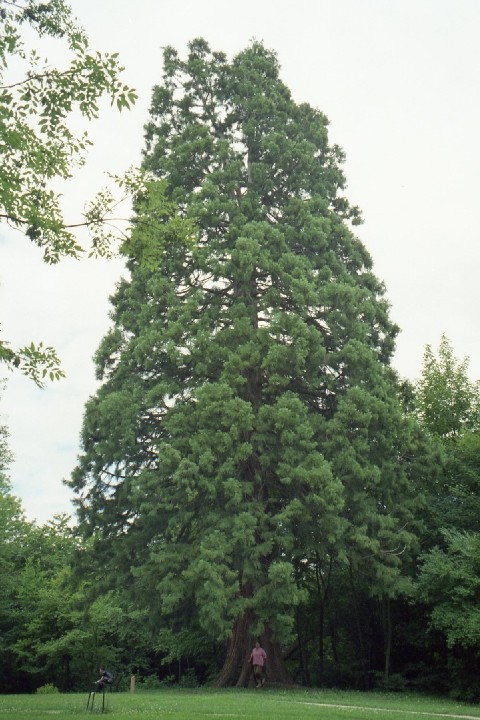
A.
pixel 448 401
pixel 448 407
pixel 38 146
pixel 248 422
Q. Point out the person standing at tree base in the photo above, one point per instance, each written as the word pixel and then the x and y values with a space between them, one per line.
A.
pixel 258 658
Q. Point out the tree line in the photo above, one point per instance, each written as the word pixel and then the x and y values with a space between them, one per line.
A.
pixel 252 466
pixel 62 614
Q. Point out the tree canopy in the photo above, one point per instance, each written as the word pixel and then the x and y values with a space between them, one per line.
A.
pixel 248 421
pixel 251 467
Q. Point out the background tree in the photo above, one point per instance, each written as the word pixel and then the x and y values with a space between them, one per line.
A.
pixel 448 405
pixel 448 402
pixel 44 609
pixel 13 531
pixel 448 585
pixel 64 632
pixel 55 629
pixel 248 420
pixel 37 145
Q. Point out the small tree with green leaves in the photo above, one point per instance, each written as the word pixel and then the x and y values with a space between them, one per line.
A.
pixel 448 402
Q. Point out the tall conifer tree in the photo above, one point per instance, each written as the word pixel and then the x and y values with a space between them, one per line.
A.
pixel 248 418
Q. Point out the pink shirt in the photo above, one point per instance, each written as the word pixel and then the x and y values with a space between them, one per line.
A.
pixel 258 656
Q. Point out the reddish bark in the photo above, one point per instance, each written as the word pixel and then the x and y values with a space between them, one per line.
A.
pixel 237 671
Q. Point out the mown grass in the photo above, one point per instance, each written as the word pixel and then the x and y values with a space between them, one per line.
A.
pixel 211 704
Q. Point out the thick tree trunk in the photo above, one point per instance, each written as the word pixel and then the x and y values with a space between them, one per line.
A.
pixel 321 642
pixel 323 587
pixel 302 654
pixel 237 671
pixel 388 634
pixel 236 666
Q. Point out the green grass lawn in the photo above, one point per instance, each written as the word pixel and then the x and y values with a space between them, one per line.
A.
pixel 266 704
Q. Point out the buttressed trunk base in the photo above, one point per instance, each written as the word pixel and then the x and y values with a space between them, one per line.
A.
pixel 237 671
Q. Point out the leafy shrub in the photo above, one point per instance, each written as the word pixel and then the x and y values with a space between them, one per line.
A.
pixel 150 682
pixel 188 679
pixel 47 689
pixel 168 681
pixel 393 683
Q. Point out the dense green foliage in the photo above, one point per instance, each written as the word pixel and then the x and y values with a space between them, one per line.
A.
pixel 251 464
pixel 248 430
pixel 448 402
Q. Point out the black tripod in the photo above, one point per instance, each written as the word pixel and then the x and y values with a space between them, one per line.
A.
pixel 91 697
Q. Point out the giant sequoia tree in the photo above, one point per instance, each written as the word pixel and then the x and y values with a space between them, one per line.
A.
pixel 247 423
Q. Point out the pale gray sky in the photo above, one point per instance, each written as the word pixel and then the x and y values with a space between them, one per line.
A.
pixel 399 81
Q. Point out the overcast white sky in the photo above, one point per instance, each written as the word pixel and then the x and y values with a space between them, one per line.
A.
pixel 400 83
